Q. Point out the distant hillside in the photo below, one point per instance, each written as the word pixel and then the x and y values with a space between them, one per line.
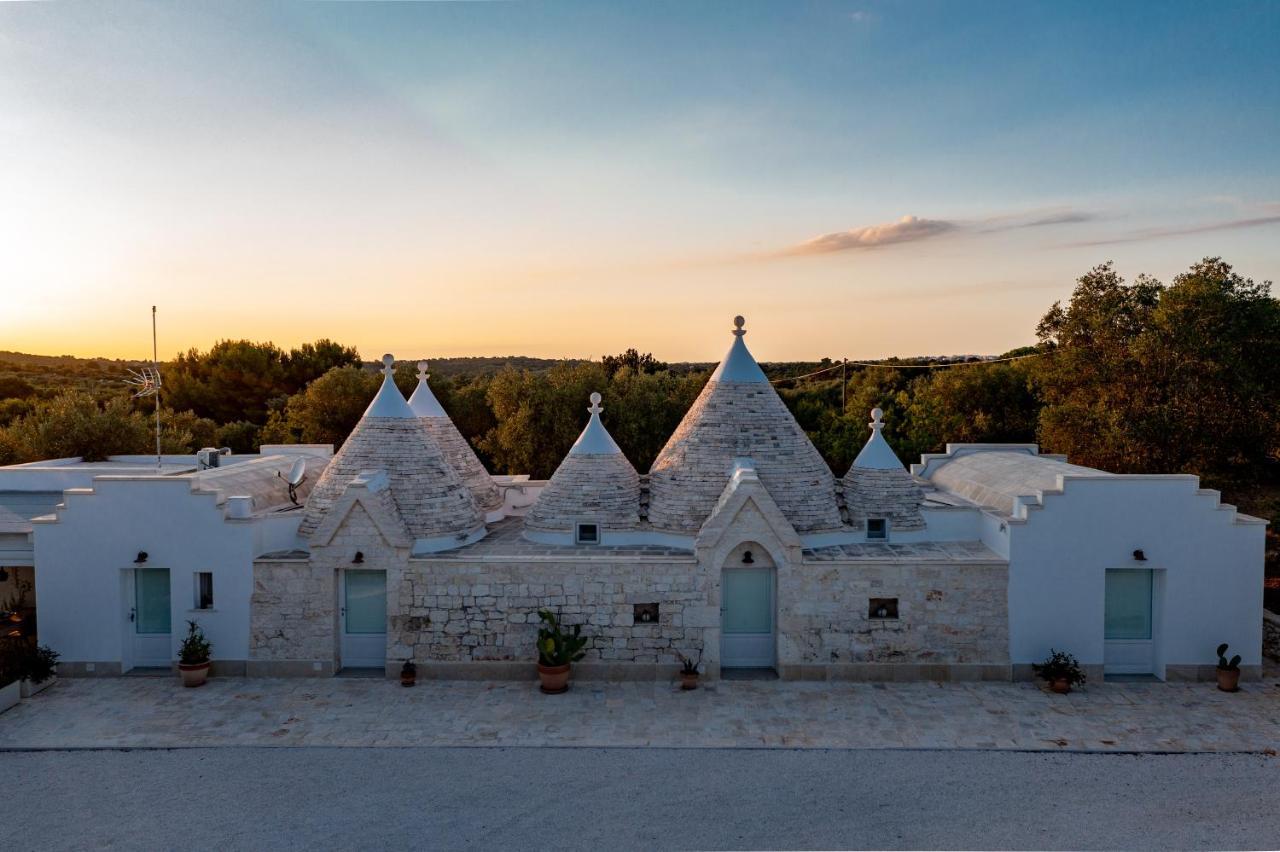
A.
pixel 46 374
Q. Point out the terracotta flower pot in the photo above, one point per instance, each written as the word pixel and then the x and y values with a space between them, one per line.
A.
pixel 688 680
pixel 408 680
pixel 555 679
pixel 1060 685
pixel 194 674
pixel 1229 680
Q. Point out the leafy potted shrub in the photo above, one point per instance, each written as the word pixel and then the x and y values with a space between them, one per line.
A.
pixel 408 673
pixel 689 670
pixel 1228 670
pixel 193 656
pixel 557 651
pixel 38 669
pixel 1061 671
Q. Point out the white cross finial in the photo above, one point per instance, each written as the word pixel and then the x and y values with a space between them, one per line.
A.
pixel 388 364
pixel 738 323
pixel 595 404
pixel 422 371
pixel 877 418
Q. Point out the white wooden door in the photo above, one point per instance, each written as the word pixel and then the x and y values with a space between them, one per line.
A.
pixel 364 619
pixel 747 618
pixel 151 616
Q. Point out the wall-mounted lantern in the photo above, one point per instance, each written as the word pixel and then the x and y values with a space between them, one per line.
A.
pixel 359 558
pixel 747 558
pixel 1139 556
pixel 142 557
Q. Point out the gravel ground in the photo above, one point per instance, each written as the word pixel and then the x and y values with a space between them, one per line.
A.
pixel 443 798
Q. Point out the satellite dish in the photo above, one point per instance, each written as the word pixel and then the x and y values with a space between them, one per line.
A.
pixel 297 475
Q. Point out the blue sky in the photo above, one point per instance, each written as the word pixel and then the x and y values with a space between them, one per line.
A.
pixel 859 179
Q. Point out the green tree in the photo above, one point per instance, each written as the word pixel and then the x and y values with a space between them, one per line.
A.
pixel 1140 377
pixel 327 411
pixel 234 380
pixel 539 416
pixel 986 403
pixel 73 423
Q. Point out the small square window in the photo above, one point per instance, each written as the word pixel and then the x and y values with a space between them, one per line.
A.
pixel 877 528
pixel 882 608
pixel 204 590
pixel 588 534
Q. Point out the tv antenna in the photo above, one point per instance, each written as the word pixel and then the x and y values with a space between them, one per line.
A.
pixel 147 382
pixel 297 475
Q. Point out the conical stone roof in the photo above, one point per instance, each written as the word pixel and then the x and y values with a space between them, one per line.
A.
pixel 738 414
pixel 594 484
pixel 430 497
pixel 878 486
pixel 457 452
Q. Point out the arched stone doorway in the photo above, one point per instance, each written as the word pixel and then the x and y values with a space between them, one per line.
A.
pixel 748 609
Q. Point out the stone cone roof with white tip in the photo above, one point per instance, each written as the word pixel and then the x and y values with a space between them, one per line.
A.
pixel 737 415
pixel 431 499
pixel 457 451
pixel 594 484
pixel 878 486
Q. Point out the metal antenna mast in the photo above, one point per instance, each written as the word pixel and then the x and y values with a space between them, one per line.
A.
pixel 147 382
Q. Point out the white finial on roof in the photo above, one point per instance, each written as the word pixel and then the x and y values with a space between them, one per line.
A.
pixel 423 401
pixel 595 440
pixel 738 365
pixel 388 402
pixel 876 453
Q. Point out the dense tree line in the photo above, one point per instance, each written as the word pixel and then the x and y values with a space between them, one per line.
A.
pixel 1138 376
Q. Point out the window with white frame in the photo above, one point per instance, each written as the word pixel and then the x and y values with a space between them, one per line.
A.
pixel 204 590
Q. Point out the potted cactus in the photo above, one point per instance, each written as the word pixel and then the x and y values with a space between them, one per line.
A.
pixel 193 656
pixel 689 670
pixel 557 651
pixel 1228 670
pixel 1061 671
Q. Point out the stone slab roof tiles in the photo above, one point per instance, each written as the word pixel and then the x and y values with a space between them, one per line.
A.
pixel 739 414
pixel 878 486
pixel 431 499
pixel 457 451
pixel 594 484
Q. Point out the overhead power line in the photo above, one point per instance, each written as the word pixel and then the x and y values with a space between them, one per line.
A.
pixel 842 364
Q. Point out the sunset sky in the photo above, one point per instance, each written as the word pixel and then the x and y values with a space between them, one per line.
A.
pixel 858 179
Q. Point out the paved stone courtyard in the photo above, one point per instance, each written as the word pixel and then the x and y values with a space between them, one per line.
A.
pixel 139 712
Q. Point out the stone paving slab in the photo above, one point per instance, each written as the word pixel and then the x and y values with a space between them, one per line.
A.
pixel 1112 717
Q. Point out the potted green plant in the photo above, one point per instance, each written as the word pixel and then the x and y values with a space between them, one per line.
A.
pixel 38 669
pixel 408 673
pixel 689 670
pixel 193 656
pixel 1061 671
pixel 1228 670
pixel 557 651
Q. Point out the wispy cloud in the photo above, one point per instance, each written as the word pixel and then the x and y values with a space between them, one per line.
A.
pixel 1160 233
pixel 906 230
pixel 910 229
pixel 862 16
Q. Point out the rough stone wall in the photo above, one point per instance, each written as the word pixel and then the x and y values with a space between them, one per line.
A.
pixel 430 497
pixel 729 420
pixel 461 612
pixel 458 453
pixel 291 612
pixel 947 614
pixel 888 493
pixel 294 607
pixel 454 612
pixel 603 489
pixel 1271 635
